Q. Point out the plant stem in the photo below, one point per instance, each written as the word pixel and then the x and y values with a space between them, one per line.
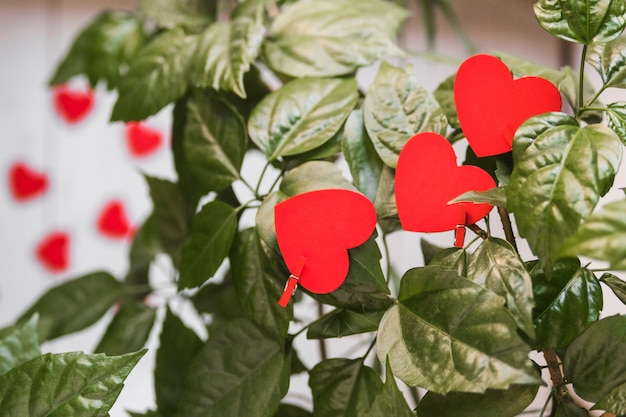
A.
pixel 508 228
pixel 556 376
pixel 386 250
pixel 321 342
pixel 369 349
pixel 258 185
pixel 581 81
pixel 479 232
pixel 545 405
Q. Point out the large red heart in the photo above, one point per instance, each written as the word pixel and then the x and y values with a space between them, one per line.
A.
pixel 321 226
pixel 427 178
pixel 113 221
pixel 141 139
pixel 72 105
pixel 491 105
pixel 53 251
pixel 25 183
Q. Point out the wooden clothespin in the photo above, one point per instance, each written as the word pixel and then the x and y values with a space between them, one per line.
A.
pixel 292 283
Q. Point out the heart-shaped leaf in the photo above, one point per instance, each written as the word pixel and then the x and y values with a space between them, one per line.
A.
pixel 616 113
pixel 129 330
pixel 342 322
pixel 609 59
pixel 18 344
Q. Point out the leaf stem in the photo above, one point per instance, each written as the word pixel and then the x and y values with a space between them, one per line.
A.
pixel 581 81
pixel 507 226
pixel 386 250
pixel 321 342
pixel 249 187
pixel 258 185
pixel 545 405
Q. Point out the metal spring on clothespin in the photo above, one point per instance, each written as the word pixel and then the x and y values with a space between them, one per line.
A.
pixel 292 283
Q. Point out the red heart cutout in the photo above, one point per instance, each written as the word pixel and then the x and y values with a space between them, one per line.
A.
pixel 321 226
pixel 72 105
pixel 25 183
pixel 491 105
pixel 113 222
pixel 427 178
pixel 141 139
pixel 53 251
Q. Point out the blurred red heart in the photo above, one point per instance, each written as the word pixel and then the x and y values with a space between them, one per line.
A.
pixel 321 226
pixel 141 139
pixel 113 221
pixel 491 105
pixel 427 177
pixel 72 105
pixel 25 183
pixel 53 251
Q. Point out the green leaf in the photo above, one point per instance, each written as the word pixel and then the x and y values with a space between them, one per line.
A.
pixel 187 13
pixel 521 67
pixel 569 87
pixel 314 175
pixel 444 94
pixel 18 344
pixel 129 329
pixel 219 300
pixel 429 251
pixel 566 303
pixel 215 141
pixel 341 322
pixel 570 409
pixel 240 371
pixel 157 76
pixel 335 37
pixel 586 22
pixel 65 385
pixel 259 283
pixel 493 403
pixel 74 305
pixel 449 334
pixel 178 346
pixel 145 246
pixel 593 361
pixel 452 259
pixel 614 402
pixel 396 108
pixel 149 413
pixel 617 285
pixel 212 232
pixel 225 52
pixel 102 49
pixel 616 114
pixel 496 266
pixel 390 401
pixel 495 196
pixel 343 388
pixel 289 410
pixel 302 115
pixel 264 219
pixel 609 59
pixel 560 172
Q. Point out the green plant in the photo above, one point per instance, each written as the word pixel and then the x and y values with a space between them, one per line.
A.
pixel 461 327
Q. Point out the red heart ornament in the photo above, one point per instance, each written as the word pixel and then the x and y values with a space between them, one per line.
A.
pixel 491 105
pixel 427 178
pixel 72 105
pixel 113 221
pixel 53 251
pixel 319 227
pixel 25 183
pixel 141 139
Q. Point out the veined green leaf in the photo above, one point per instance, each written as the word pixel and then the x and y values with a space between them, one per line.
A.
pixel 569 87
pixel 18 344
pixel 390 401
pixel 129 329
pixel 452 259
pixel 521 67
pixel 240 371
pixel 341 322
pixel 302 115
pixel 65 385
pixel 494 196
pixel 614 402
pixel 220 301
pixel 561 170
pixel 609 59
pixel 429 251
pixel 616 113
pixel 343 388
pixel 264 220
pixel 332 37
pixel 444 94
pixel 188 13
pixel 314 175
pixel 449 334
pixel 396 108
pixel 74 305
pixel 617 285
pixel 157 76
pixel 586 22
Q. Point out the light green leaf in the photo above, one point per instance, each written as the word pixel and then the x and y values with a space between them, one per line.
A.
pixel 586 22
pixel 560 172
pixel 569 87
pixel 614 402
pixel 18 344
pixel 343 388
pixel 157 76
pixel 452 259
pixel 390 401
pixel 609 59
pixel 65 385
pixel 616 113
pixel 314 175
pixel 449 334
pixel 102 49
pixel 129 329
pixel 188 13
pixel 617 285
pixel 264 219
pixel 74 305
pixel 332 37
pixel 396 108
pixel 240 371
pixel 495 196
pixel 521 67
pixel 444 94
pixel 341 322
pixel 302 115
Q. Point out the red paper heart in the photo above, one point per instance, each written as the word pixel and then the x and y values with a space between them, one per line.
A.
pixel 491 105
pixel 113 222
pixel 141 139
pixel 72 105
pixel 427 178
pixel 25 183
pixel 321 226
pixel 53 251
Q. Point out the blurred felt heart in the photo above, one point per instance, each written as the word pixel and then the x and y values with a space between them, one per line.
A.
pixel 53 251
pixel 26 183
pixel 113 221
pixel 72 105
pixel 427 178
pixel 141 139
pixel 491 105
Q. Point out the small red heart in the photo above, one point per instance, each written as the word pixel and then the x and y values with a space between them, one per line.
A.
pixel 113 222
pixel 321 226
pixel 72 105
pixel 25 183
pixel 427 178
pixel 141 139
pixel 53 251
pixel 491 105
